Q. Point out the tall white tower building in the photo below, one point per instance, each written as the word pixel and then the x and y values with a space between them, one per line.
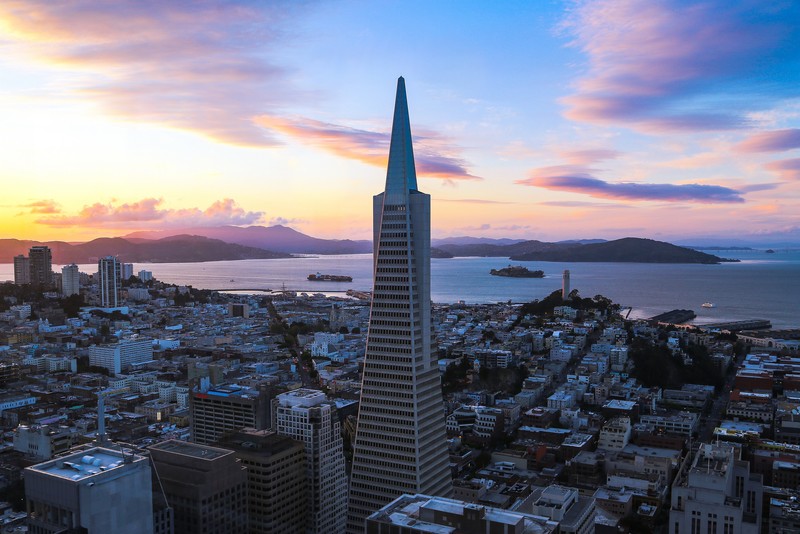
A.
pixel 565 285
pixel 70 280
pixel 108 271
pixel 401 445
pixel 307 416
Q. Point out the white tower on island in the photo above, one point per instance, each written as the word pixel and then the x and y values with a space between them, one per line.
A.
pixel 401 445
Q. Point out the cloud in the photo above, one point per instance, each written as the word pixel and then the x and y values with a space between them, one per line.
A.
pixel 588 156
pixel 44 207
pixel 283 221
pixel 208 67
pixel 774 141
pixel 581 182
pixel 669 65
pixel 149 212
pixel 474 201
pixel 582 204
pixel 788 169
pixel 434 156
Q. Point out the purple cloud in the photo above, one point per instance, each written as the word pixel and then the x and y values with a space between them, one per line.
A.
pixel 774 141
pixel 670 65
pixel 589 185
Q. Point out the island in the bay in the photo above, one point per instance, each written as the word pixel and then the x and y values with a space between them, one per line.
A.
pixel 517 271
pixel 318 277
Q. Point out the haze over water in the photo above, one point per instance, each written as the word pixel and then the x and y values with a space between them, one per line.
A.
pixel 761 286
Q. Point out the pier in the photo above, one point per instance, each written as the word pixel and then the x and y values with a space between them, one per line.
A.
pixel 736 326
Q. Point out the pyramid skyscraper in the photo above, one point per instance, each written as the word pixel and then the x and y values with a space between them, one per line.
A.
pixel 401 445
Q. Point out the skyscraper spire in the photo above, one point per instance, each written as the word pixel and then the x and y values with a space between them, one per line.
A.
pixel 401 445
pixel 401 175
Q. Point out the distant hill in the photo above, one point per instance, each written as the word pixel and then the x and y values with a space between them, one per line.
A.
pixel 501 251
pixel 277 238
pixel 627 250
pixel 467 240
pixel 174 249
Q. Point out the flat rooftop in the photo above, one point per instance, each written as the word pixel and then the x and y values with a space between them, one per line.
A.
pixel 84 464
pixel 195 450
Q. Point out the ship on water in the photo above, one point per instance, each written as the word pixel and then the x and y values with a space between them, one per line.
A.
pixel 318 277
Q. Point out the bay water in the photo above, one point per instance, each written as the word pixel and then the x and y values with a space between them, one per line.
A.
pixel 761 286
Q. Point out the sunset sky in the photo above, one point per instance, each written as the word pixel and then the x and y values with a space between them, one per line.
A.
pixel 544 120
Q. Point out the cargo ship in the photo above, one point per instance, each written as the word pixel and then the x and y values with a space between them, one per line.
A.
pixel 329 278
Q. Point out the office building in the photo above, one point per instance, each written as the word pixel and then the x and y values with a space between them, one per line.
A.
pixel 277 489
pixel 400 446
pixel 307 416
pixel 108 273
pixel 206 487
pixel 145 276
pixel 22 270
pixel 95 491
pixel 126 270
pixel 70 280
pixel 226 408
pixel 118 357
pixel 716 494
pixel 41 264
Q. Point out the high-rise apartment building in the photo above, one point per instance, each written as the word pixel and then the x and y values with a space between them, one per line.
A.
pixel 93 490
pixel 277 495
pixel 227 408
pixel 22 270
pixel 41 264
pixel 307 416
pixel 206 487
pixel 126 270
pixel 70 280
pixel 108 280
pixel 401 445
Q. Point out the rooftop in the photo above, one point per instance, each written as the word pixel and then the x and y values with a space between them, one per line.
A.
pixel 195 450
pixel 84 464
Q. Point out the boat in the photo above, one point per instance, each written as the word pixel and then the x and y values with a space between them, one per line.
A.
pixel 517 271
pixel 708 305
pixel 329 278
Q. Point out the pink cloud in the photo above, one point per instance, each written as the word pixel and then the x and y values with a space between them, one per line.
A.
pixel 206 67
pixel 149 213
pixel 774 141
pixel 435 157
pixel 788 169
pixel 668 65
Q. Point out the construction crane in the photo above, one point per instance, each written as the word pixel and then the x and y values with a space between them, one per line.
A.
pixel 101 410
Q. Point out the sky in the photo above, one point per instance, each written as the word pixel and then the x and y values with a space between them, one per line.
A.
pixel 550 120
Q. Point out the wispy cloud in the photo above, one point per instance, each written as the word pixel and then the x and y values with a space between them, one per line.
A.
pixel 283 221
pixel 582 204
pixel 588 156
pixel 474 201
pixel 208 66
pixel 669 65
pixel 149 213
pixel 43 207
pixel 581 182
pixel 774 141
pixel 788 169
pixel 435 156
